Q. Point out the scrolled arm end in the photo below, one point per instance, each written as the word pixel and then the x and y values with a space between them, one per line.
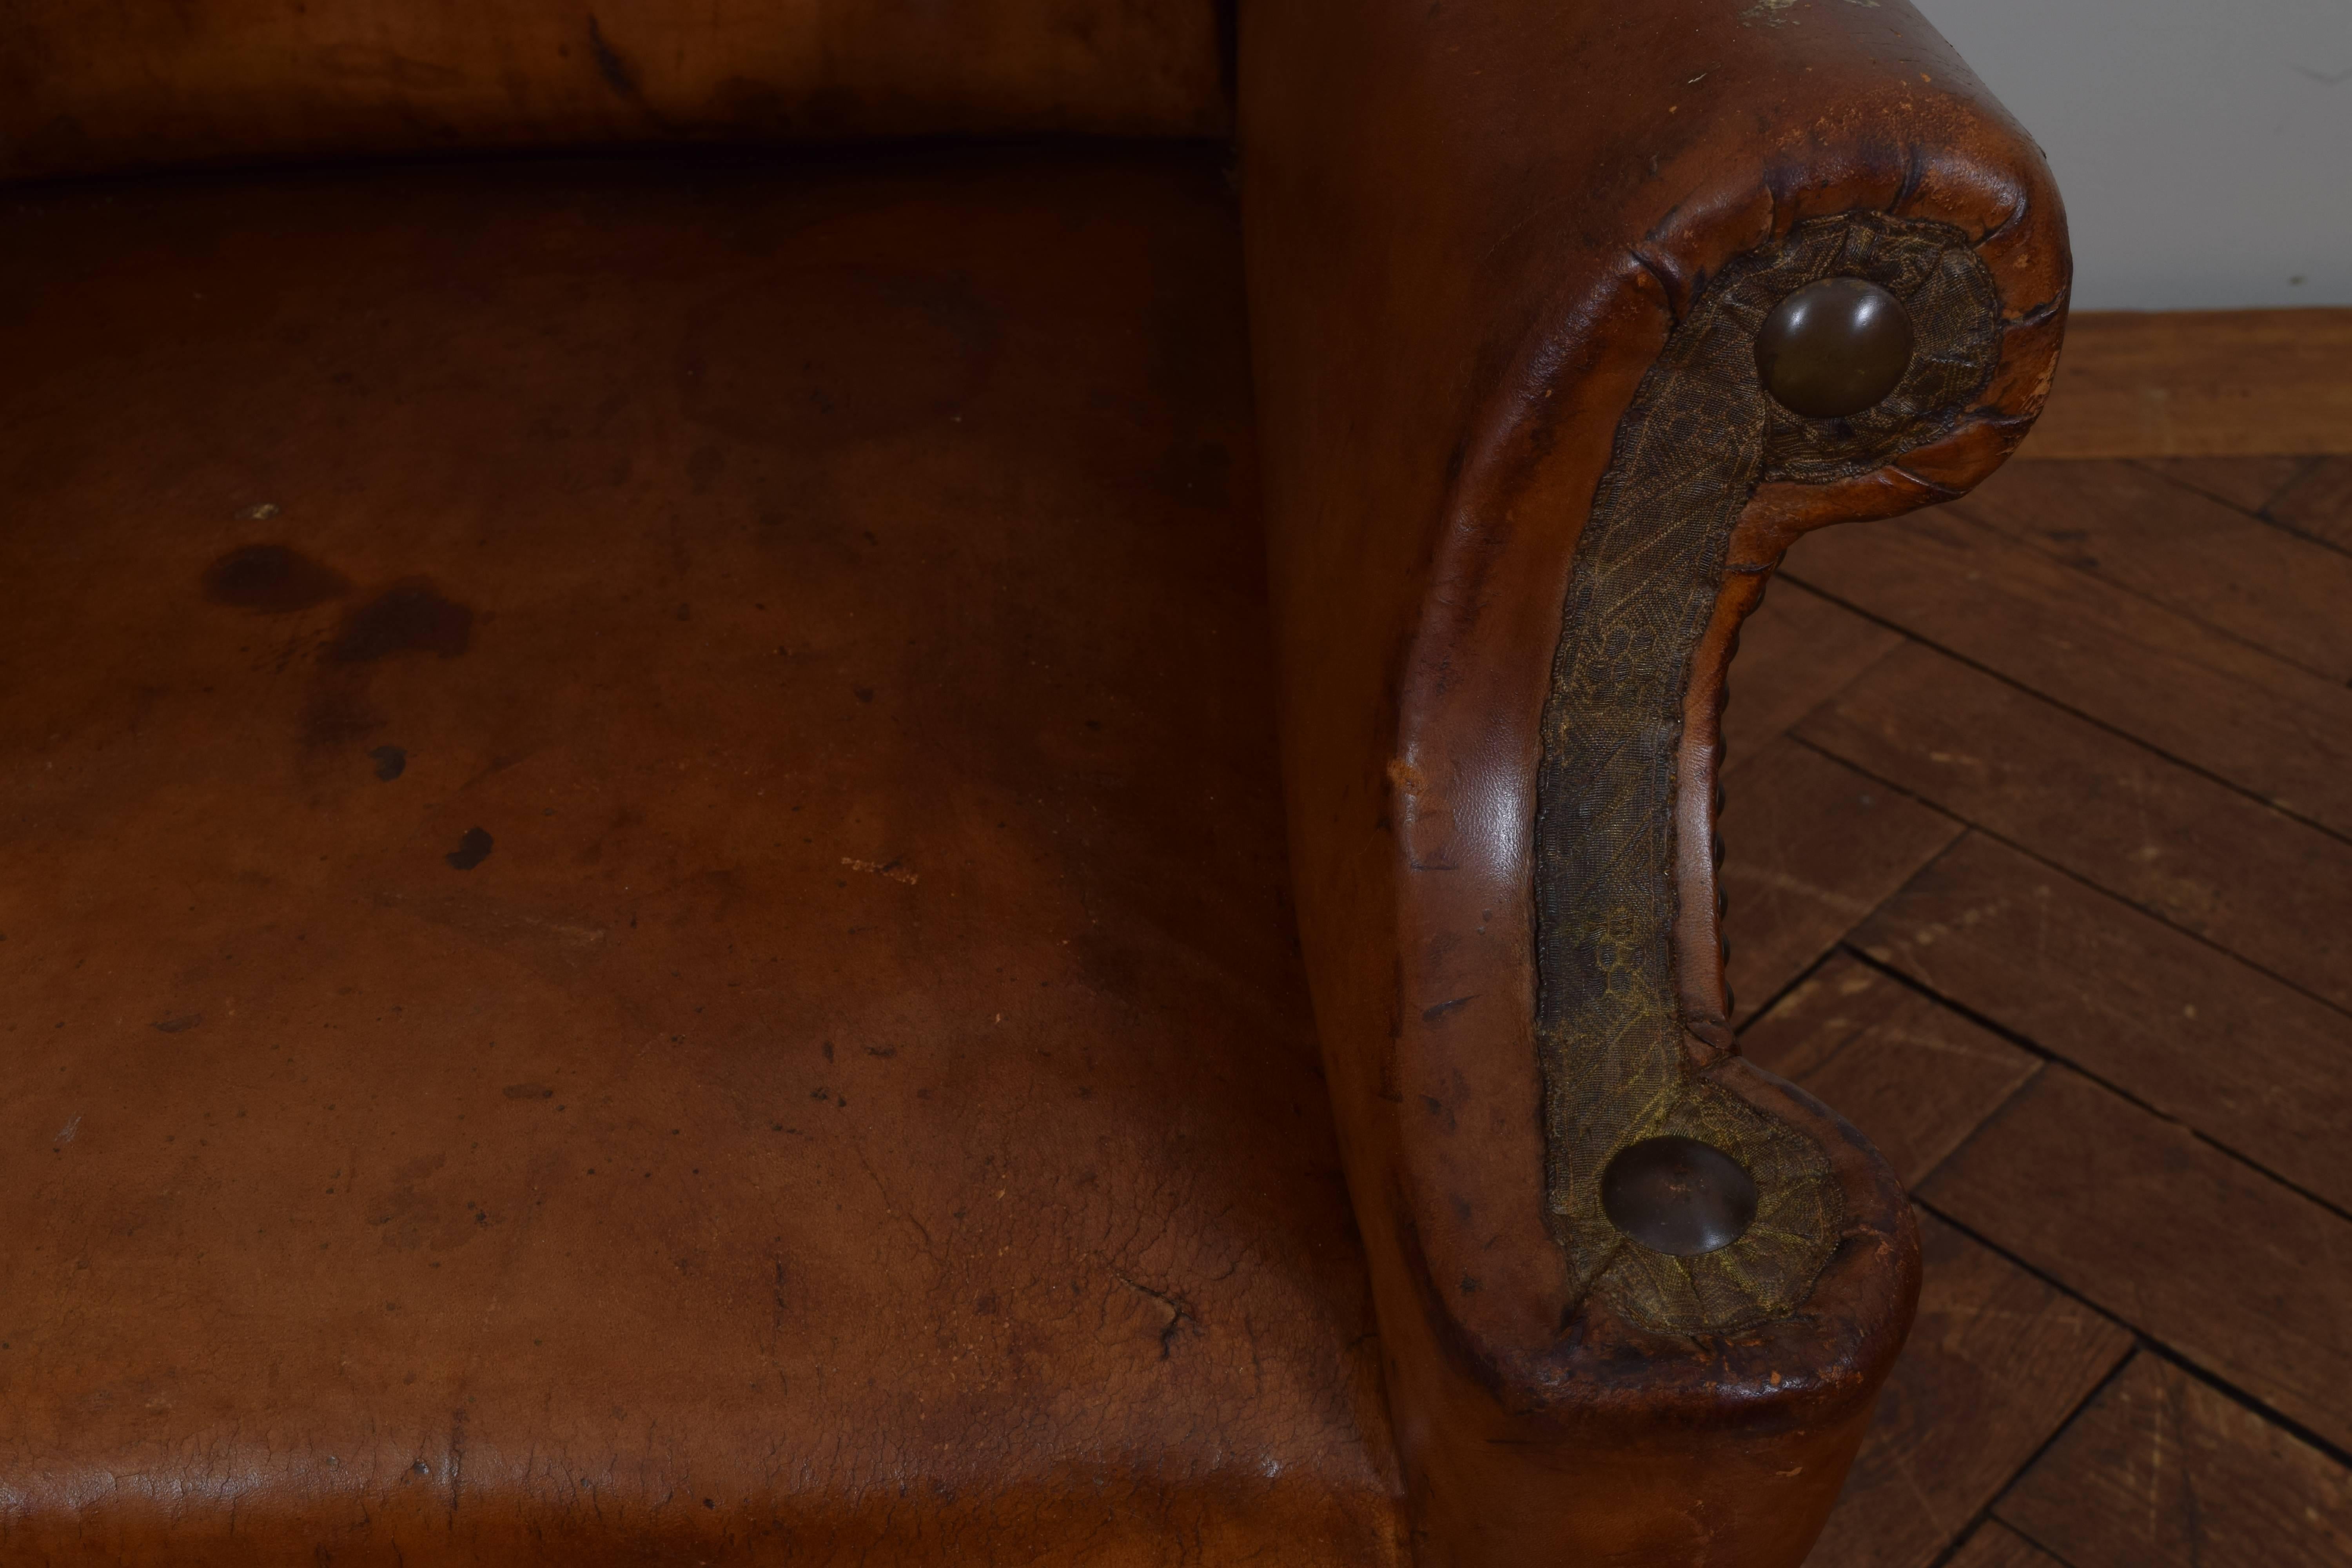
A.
pixel 1543 406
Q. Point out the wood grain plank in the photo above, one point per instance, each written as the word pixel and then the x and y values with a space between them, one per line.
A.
pixel 1916 1078
pixel 1812 847
pixel 2136 384
pixel 2213 563
pixel 2264 724
pixel 1995 1545
pixel 1996 1364
pixel 2319 503
pixel 2246 483
pixel 2164 1472
pixel 2194 1033
pixel 2201 856
pixel 2242 1276
pixel 1795 649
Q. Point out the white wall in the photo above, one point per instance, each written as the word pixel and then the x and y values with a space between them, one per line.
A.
pixel 2204 147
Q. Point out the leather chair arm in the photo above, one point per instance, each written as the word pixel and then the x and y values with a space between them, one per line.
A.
pixel 1508 263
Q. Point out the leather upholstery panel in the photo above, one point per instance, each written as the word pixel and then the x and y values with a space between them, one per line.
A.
pixel 90 85
pixel 646 915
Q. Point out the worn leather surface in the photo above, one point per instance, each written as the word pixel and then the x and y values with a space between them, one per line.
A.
pixel 693 965
pixel 87 85
pixel 1470 230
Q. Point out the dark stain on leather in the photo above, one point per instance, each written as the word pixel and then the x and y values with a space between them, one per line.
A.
pixel 271 578
pixel 410 616
pixel 473 848
pixel 609 64
pixel 176 1023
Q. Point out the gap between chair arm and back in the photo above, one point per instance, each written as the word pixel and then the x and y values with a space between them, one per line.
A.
pixel 1508 268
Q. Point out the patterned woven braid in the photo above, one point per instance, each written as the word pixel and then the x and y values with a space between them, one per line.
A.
pixel 1700 436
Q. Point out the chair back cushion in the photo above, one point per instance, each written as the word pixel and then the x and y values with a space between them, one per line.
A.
pixel 94 85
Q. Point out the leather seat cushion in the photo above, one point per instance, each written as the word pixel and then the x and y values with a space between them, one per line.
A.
pixel 646 915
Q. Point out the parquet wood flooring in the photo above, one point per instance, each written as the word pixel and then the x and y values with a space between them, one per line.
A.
pixel 2141 1217
pixel 2186 847
pixel 2248 484
pixel 2081 966
pixel 1829 845
pixel 2230 710
pixel 2317 503
pixel 2165 1471
pixel 1995 1545
pixel 1920 1076
pixel 2209 562
pixel 2199 383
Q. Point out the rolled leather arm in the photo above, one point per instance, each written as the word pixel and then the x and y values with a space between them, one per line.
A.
pixel 1508 267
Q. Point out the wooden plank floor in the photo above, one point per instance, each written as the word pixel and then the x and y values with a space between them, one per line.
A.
pixel 2199 383
pixel 2039 828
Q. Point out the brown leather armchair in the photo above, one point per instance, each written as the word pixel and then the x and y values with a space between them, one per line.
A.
pixel 668 844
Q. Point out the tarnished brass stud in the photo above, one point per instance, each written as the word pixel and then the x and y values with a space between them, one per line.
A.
pixel 1678 1195
pixel 1834 348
